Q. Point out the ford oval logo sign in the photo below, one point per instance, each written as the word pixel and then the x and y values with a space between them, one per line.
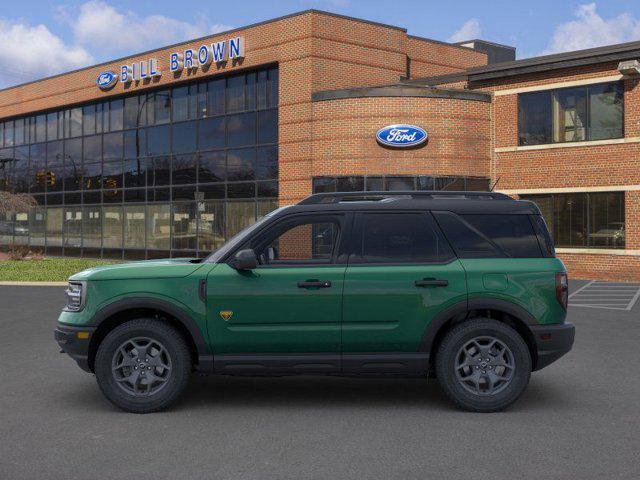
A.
pixel 401 136
pixel 106 80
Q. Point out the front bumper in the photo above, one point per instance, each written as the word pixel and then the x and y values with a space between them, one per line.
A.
pixel 75 341
pixel 552 342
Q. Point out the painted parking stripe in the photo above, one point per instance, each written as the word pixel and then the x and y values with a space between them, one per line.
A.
pixel 606 295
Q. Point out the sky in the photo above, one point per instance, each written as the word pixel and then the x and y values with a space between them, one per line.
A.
pixel 39 38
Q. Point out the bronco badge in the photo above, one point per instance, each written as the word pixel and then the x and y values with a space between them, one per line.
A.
pixel 226 314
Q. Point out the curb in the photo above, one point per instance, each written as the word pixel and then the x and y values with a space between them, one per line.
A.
pixel 34 284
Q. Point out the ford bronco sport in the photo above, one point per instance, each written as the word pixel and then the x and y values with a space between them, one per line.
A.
pixel 457 285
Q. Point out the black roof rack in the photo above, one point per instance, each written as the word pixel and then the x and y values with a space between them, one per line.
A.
pixel 337 197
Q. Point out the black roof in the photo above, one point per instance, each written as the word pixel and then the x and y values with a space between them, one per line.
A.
pixel 457 202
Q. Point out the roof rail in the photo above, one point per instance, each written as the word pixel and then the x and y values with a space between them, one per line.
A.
pixel 337 197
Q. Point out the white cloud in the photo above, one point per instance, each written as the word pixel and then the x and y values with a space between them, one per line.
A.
pixel 108 31
pixel 29 52
pixel 591 30
pixel 469 31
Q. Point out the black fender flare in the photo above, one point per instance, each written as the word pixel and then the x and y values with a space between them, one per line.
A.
pixel 205 358
pixel 464 307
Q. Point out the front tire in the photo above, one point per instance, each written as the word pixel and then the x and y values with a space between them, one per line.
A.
pixel 483 365
pixel 143 365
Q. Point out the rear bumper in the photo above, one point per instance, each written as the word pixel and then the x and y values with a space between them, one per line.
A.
pixel 77 347
pixel 552 342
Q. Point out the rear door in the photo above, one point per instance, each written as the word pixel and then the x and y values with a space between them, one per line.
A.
pixel 402 273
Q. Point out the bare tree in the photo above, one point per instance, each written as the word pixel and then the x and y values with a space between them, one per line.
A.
pixel 16 202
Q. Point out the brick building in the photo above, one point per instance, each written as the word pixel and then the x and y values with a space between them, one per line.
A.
pixel 171 151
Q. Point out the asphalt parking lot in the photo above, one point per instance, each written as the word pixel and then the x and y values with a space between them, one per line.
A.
pixel 579 419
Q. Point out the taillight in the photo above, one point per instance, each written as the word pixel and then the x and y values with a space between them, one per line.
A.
pixel 562 289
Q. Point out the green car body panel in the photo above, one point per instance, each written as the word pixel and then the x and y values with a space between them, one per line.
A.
pixel 369 309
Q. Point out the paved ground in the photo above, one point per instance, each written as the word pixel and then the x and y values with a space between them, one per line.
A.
pixel 579 419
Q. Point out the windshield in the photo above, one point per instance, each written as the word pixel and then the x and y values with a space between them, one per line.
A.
pixel 239 238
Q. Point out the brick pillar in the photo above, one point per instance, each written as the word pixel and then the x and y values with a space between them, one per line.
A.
pixel 632 219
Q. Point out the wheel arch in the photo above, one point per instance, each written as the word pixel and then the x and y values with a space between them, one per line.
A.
pixel 504 311
pixel 126 309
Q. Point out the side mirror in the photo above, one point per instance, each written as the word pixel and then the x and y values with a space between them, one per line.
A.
pixel 245 260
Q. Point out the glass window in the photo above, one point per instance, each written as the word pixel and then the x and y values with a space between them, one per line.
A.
pixel 350 184
pixel 273 88
pixel 399 183
pixel 21 169
pixel 130 115
pixel 241 130
pixel 211 167
pixel 54 227
pixel 267 163
pixel 239 215
pixel 534 118
pixel 75 122
pixel 300 241
pixel 20 131
pixel 570 115
pixel 210 225
pixel 235 93
pixel 580 220
pixel 215 97
pixel 250 91
pixel 158 226
pixel 162 106
pixel 134 173
pixel 112 146
pixel 592 112
pixel 184 137
pixel 41 128
pixel 102 120
pixel 158 140
pixel 401 238
pixel 268 126
pixel 180 104
pixel 73 227
pixel 89 124
pixel 134 226
pixel 112 175
pixel 37 226
pixel 55 172
pixel 184 169
pixel 116 117
pixel 184 226
pixel 514 234
pixel 158 171
pixel 135 143
pixel 606 111
pixel 92 227
pixel 467 241
pixel 8 134
pixel 92 149
pixel 241 164
pixel 241 190
pixel 211 133
pixel 374 184
pixel 112 227
pixel 92 176
pixel 37 168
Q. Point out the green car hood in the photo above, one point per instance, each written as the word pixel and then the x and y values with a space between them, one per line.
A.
pixel 166 268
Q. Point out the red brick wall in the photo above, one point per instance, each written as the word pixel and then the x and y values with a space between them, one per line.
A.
pixel 429 58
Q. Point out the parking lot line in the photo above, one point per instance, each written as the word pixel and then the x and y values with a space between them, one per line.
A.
pixel 605 295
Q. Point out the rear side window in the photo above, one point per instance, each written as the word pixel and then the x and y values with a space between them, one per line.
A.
pixel 467 241
pixel 400 238
pixel 514 234
pixel 544 238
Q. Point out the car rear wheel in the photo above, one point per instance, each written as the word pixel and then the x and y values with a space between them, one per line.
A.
pixel 143 365
pixel 483 365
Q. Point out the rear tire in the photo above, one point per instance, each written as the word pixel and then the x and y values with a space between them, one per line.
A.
pixel 483 365
pixel 143 365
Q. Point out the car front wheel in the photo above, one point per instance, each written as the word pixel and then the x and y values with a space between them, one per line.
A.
pixel 483 365
pixel 143 365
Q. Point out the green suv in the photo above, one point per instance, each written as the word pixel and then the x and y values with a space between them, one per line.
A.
pixel 461 286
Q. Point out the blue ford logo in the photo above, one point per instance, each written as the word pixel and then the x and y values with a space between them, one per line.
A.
pixel 401 136
pixel 106 80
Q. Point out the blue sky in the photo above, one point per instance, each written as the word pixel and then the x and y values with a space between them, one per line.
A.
pixel 43 37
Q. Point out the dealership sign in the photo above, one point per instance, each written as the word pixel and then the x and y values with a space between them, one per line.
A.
pixel 106 80
pixel 189 59
pixel 401 136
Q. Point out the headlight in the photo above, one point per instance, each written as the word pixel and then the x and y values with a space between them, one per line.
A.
pixel 75 296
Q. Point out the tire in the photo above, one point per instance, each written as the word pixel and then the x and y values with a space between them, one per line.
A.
pixel 143 365
pixel 492 385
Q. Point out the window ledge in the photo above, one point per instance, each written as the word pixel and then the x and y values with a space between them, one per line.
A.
pixel 589 143
pixel 600 251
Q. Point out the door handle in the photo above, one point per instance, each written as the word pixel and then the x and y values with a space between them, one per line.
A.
pixel 431 282
pixel 314 284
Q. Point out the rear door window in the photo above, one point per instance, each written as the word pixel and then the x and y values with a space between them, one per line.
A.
pixel 466 240
pixel 391 238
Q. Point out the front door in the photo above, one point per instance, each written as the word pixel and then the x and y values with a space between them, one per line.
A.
pixel 286 312
pixel 401 274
